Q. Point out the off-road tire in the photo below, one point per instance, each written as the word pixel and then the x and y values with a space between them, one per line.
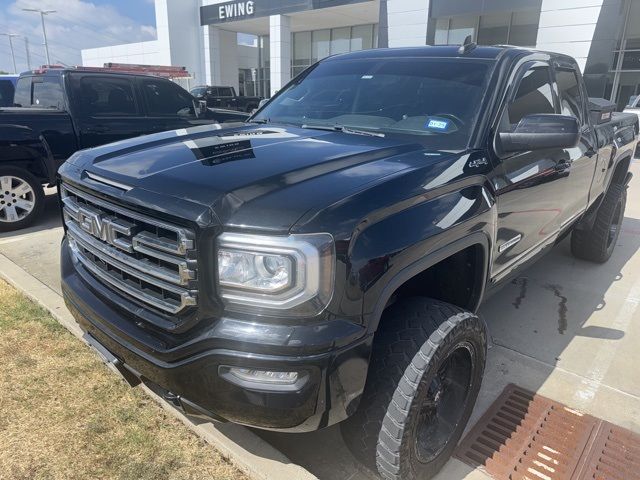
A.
pixel 415 337
pixel 38 197
pixel 598 243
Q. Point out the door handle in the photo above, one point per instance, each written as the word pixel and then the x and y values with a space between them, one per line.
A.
pixel 98 129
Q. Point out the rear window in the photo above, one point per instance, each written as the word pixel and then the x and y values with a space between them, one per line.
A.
pixel 39 91
pixel 6 93
pixel 47 93
pixel 22 97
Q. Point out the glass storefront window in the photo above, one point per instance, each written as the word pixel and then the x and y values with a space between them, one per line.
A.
pixel 524 28
pixel 442 31
pixel 460 28
pixel 494 29
pixel 513 28
pixel 320 44
pixel 309 47
pixel 340 40
pixel 301 49
pixel 264 72
pixel 361 38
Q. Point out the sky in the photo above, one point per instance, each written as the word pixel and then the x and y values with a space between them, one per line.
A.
pixel 77 24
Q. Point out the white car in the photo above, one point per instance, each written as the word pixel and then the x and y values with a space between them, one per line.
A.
pixel 633 106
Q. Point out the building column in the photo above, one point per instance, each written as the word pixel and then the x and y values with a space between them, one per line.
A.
pixel 220 57
pixel 280 51
pixel 407 23
pixel 212 55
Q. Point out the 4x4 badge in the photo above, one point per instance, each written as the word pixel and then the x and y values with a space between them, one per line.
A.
pixel 478 162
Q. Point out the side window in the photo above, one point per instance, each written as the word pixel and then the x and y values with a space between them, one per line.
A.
pixel 22 97
pixel 166 98
pixel 569 88
pixel 532 96
pixel 225 92
pixel 106 96
pixel 47 93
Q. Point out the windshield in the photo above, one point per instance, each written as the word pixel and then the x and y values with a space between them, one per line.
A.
pixel 437 98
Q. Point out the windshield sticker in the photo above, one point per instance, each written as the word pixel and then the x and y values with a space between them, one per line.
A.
pixel 437 124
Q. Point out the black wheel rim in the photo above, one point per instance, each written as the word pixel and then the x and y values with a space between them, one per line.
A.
pixel 444 404
pixel 614 228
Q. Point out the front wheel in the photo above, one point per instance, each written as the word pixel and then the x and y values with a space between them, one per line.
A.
pixel 21 199
pixel 425 374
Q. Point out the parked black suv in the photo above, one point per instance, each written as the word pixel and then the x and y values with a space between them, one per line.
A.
pixel 59 111
pixel 323 262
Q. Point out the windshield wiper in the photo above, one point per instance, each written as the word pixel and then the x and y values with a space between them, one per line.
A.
pixel 343 129
pixel 260 121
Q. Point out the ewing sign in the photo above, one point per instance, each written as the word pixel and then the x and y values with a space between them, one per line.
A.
pixel 241 10
pixel 227 11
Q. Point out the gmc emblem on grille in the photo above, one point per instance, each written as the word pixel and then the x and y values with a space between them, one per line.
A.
pixel 109 229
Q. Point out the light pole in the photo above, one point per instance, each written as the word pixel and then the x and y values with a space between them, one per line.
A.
pixel 13 56
pixel 44 30
pixel 26 47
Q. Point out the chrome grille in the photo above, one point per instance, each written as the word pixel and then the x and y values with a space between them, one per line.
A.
pixel 153 262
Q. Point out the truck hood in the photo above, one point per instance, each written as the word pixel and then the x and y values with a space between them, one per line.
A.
pixel 258 176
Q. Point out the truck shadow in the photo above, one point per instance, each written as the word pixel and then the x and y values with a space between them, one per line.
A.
pixel 533 319
pixel 50 217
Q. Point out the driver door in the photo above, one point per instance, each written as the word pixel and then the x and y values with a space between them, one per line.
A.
pixel 168 106
pixel 529 184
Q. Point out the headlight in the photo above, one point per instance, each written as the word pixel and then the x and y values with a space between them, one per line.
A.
pixel 286 276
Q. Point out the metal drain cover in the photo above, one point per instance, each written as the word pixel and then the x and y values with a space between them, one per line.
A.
pixel 527 436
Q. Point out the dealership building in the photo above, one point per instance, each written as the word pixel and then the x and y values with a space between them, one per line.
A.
pixel 257 46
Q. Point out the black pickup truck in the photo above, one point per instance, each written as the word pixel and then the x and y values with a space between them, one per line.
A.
pixel 323 262
pixel 59 111
pixel 225 97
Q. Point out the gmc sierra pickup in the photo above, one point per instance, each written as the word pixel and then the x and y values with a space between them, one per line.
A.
pixel 60 110
pixel 323 262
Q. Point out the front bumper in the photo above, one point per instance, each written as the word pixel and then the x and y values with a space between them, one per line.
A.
pixel 188 374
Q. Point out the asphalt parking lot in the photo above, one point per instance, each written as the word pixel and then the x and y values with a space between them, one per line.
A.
pixel 565 328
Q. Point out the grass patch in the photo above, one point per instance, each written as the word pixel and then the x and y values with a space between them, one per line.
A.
pixel 64 415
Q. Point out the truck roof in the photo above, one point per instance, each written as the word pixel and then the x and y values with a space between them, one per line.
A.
pixel 440 51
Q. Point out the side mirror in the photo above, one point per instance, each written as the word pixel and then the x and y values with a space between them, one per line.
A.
pixel 262 103
pixel 540 131
pixel 201 108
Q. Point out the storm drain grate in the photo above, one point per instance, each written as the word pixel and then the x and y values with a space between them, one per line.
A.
pixel 527 436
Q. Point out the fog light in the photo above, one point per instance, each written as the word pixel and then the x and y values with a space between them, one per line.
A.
pixel 264 376
pixel 252 378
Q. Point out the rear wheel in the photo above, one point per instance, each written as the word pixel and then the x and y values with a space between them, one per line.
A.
pixel 598 243
pixel 424 378
pixel 21 199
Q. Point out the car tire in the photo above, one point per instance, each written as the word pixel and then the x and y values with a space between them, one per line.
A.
pixel 21 199
pixel 598 243
pixel 424 377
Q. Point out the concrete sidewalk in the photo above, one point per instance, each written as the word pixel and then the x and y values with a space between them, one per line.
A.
pixel 565 328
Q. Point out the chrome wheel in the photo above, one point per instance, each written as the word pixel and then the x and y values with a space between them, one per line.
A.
pixel 17 199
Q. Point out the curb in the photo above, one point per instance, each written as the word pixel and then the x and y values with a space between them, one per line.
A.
pixel 248 452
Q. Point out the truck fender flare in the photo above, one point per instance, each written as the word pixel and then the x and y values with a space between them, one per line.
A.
pixel 476 238
pixel 589 218
pixel 15 136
